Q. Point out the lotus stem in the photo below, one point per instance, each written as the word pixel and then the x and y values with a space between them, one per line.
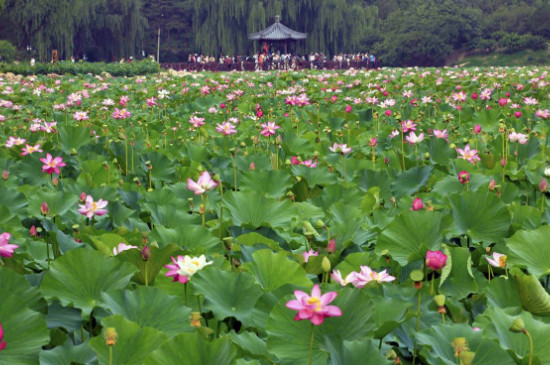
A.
pixel 185 293
pixel 110 355
pixel 531 347
pixel 146 273
pixel 311 344
pixel 402 151
pixel 203 212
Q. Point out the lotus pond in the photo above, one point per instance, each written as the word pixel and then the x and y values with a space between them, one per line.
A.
pixel 396 216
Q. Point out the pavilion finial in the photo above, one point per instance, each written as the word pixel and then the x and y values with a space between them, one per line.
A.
pixel 277 18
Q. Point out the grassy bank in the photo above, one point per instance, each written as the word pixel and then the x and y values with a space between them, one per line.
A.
pixel 522 58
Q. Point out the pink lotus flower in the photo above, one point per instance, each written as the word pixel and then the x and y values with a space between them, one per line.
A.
pixel 412 138
pixel 348 108
pixel 52 165
pixel 408 125
pixel 441 134
pixel 121 114
pixel 269 129
pixel 6 250
pixel 122 247
pixel 436 260
pixel 417 204
pixel 315 306
pixel 309 253
pixel 518 137
pixel 226 128
pixel 366 275
pixel 196 122
pixel 463 177
pixel 14 141
pixel 91 208
pixel 28 149
pixel 2 344
pixel 81 115
pixel 498 260
pixel 468 154
pixel 342 148
pixel 351 278
pixel 544 114
pixel 204 184
pixel 185 266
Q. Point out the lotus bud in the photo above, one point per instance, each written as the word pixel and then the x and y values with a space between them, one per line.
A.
pixel 308 229
pixel 83 196
pixel 391 354
pixel 5 174
pixel 325 264
pixel 503 162
pixel 44 209
pixel 331 246
pixel 252 166
pixel 439 300
pixel 467 357
pixel 477 129
pixel 543 186
pixel 33 232
pixel 146 253
pixel 55 181
pixel 492 185
pixel 518 325
pixel 417 204
pixel 110 336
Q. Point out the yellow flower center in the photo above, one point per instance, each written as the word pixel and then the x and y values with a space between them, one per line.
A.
pixel 502 261
pixel 316 301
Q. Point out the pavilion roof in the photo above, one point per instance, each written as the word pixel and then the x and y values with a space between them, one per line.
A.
pixel 277 32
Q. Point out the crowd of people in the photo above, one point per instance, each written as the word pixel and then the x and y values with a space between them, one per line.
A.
pixel 276 61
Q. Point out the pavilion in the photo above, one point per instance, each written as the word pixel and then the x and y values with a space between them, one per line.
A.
pixel 277 33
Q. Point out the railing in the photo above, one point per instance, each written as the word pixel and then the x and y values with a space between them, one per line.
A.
pixel 266 66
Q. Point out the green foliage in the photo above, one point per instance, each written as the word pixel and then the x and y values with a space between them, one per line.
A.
pixel 7 51
pixel 82 68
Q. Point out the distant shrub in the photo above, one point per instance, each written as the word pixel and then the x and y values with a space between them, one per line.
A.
pixel 82 68
pixel 7 51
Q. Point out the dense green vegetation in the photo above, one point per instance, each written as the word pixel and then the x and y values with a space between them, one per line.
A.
pixel 412 32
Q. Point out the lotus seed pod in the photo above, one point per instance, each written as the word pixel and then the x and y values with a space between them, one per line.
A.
pixel 467 357
pixel 518 325
pixel 439 300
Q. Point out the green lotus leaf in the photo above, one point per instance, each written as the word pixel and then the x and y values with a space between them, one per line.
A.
pixel 73 137
pixel 273 183
pixel 273 270
pixel 59 202
pixel 25 331
pixel 133 343
pixel 531 250
pixel 437 349
pixel 317 176
pixel 353 352
pixel 159 257
pixel 226 293
pixel 19 287
pixel 410 181
pixel 390 313
pixel 162 167
pixel 354 324
pixel 250 343
pixel 503 293
pixel 193 348
pixel 193 238
pixel 150 307
pixel 94 174
pixel 405 241
pixel 457 279
pixel 255 210
pixel 68 354
pixel 80 276
pixel 495 324
pixel 532 295
pixel 480 215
